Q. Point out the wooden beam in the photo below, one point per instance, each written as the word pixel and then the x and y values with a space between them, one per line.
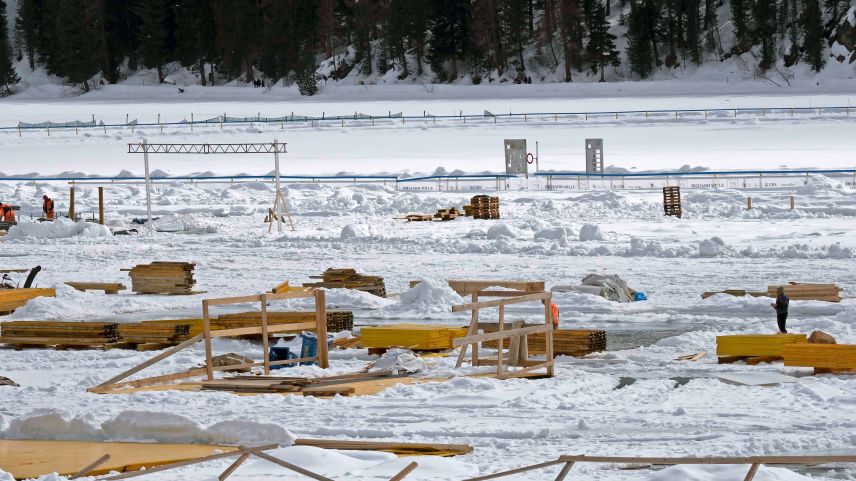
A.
pixel 754 468
pixel 189 462
pixel 669 461
pixel 321 328
pixel 510 472
pixel 247 331
pixel 89 467
pixel 493 336
pixel 206 331
pixel 232 467
pixel 474 329
pixel 265 340
pixel 404 472
pixel 101 205
pixel 275 296
pixel 502 302
pixel 292 467
pixel 159 357
pixel 564 472
pixel 232 300
pixel 526 370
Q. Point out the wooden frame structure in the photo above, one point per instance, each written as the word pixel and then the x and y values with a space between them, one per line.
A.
pixel 518 355
pixel 319 326
pixel 754 463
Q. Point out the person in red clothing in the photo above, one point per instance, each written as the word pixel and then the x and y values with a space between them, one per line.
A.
pixel 7 214
pixel 48 207
pixel 555 310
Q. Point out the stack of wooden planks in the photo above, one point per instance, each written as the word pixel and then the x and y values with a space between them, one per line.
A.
pixel 420 337
pixel 447 214
pixel 59 334
pixel 467 287
pixel 566 342
pixel 349 279
pixel 808 292
pixel 342 385
pixel 11 299
pixel 735 293
pixel 194 326
pixel 672 201
pixel 336 320
pixel 824 358
pixel 401 449
pixel 163 278
pixel 482 207
pixel 754 348
pixel 148 335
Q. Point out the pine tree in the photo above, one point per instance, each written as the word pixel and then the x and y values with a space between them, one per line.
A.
pixel 77 34
pixel 764 13
pixel 152 34
pixel 740 19
pixel 813 38
pixel 238 40
pixel 640 38
pixel 571 30
pixel 450 36
pixel 8 76
pixel 601 45
pixel 512 15
pixel 195 31
pixel 692 41
pixel 26 28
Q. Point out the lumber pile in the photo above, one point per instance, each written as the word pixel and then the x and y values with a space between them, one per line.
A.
pixel 824 358
pixel 336 320
pixel 60 334
pixel 419 217
pixel 163 278
pixel 467 287
pixel 566 342
pixel 418 337
pixel 482 207
pixel 735 293
pixel 755 347
pixel 349 279
pixel 447 214
pixel 162 334
pixel 399 448
pixel 342 385
pixel 808 292
pixel 11 299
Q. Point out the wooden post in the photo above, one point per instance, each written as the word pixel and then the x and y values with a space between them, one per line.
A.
pixel 514 358
pixel 71 203
pixel 565 470
pixel 793 203
pixel 500 341
pixel 101 205
pixel 752 470
pixel 265 340
pixel 206 325
pixel 321 327
pixel 749 203
pixel 473 330
pixel 548 319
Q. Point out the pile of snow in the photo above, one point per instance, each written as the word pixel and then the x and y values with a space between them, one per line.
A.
pixel 143 426
pixel 358 231
pixel 821 184
pixel 735 472
pixel 190 224
pixel 501 230
pixel 430 296
pixel 591 232
pixel 4 476
pixel 712 247
pixel 555 233
pixel 59 229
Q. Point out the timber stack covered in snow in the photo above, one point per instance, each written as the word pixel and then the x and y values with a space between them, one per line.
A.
pixel 163 278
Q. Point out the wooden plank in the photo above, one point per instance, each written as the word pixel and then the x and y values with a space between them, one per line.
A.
pixel 526 370
pixel 159 357
pixel 265 340
pixel 89 467
pixel 321 328
pixel 232 467
pixel 673 461
pixel 292 467
pixel 752 470
pixel 232 300
pixel 290 295
pixel 404 472
pixel 493 336
pixel 400 448
pixel 244 331
pixel 501 302
pixel 189 462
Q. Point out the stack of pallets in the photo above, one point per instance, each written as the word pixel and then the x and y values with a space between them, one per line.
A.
pixel 672 201
pixel 824 358
pixel 58 334
pixel 349 279
pixel 163 278
pixel 146 335
pixel 336 320
pixel 482 207
pixel 566 342
pixel 755 347
pixel 418 337
pixel 808 292
pixel 11 299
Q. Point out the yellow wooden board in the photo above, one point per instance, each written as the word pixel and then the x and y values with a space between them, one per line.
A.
pixel 33 458
pixel 824 356
pixel 756 344
pixel 412 336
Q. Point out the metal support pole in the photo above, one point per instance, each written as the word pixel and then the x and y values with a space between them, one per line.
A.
pixel 148 184
pixel 536 156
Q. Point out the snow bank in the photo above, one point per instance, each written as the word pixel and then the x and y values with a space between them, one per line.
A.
pixel 502 230
pixel 4 476
pixel 154 426
pixel 735 472
pixel 712 247
pixel 430 296
pixel 555 233
pixel 59 229
pixel 591 232
pixel 821 184
pixel 358 231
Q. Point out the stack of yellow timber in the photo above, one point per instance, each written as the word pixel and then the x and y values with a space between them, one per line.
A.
pixel 756 345
pixel 822 357
pixel 336 320
pixel 158 334
pixel 349 279
pixel 411 336
pixel 11 299
pixel 483 207
pixel 566 342
pixel 808 292
pixel 163 278
pixel 194 326
pixel 58 333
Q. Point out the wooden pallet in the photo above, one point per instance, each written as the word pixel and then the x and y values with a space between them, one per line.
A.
pixel 672 201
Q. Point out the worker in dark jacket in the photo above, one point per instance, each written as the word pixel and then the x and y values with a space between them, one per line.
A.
pixel 781 307
pixel 48 207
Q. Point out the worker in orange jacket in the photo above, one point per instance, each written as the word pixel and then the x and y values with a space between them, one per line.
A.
pixel 7 214
pixel 48 207
pixel 555 309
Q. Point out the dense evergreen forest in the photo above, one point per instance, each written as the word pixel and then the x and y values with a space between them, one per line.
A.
pixel 88 42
